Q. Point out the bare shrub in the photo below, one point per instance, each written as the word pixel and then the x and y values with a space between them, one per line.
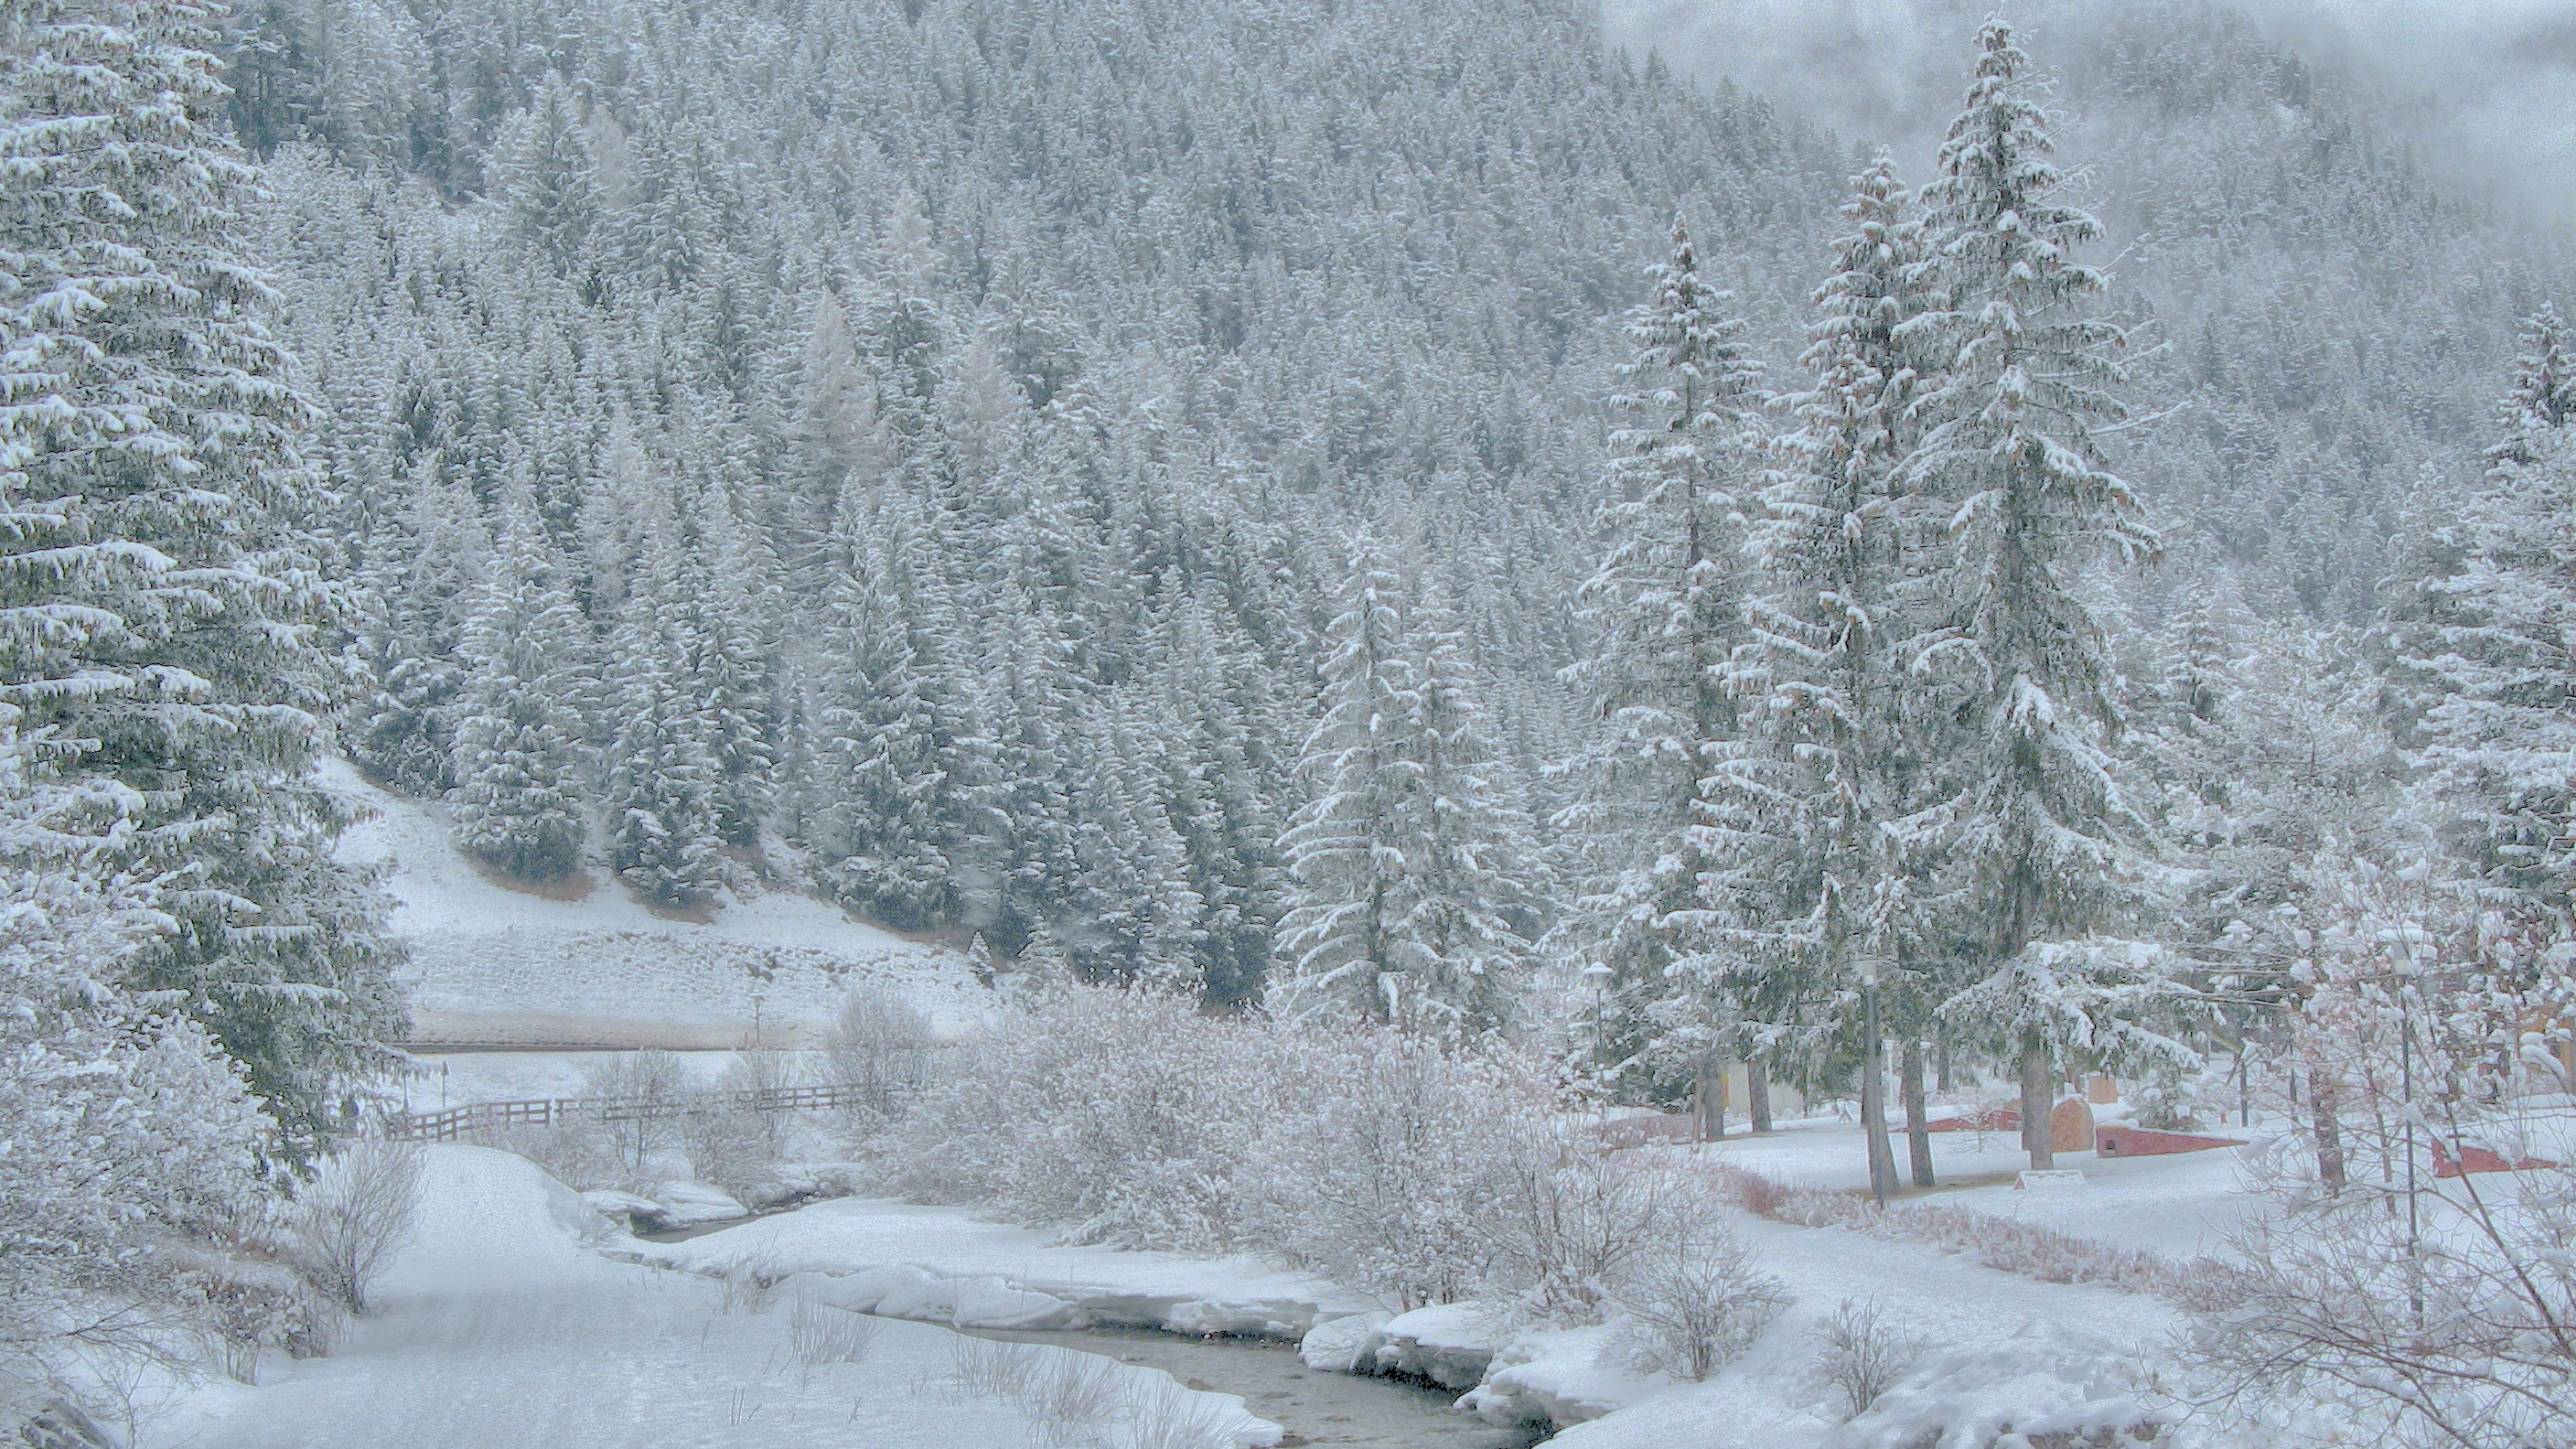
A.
pixel 1575 1217
pixel 1692 1302
pixel 2468 1344
pixel 820 1334
pixel 1862 1353
pixel 749 1284
pixel 1075 1397
pixel 645 1091
pixel 576 1151
pixel 991 1369
pixel 1167 1416
pixel 248 1306
pixel 879 1052
pixel 353 1216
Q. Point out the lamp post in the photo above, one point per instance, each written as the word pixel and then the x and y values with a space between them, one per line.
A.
pixel 2405 939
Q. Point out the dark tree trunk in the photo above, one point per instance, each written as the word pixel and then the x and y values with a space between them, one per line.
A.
pixel 1873 1108
pixel 2036 1099
pixel 1918 1125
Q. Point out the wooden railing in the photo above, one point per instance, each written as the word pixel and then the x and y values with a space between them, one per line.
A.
pixel 451 1123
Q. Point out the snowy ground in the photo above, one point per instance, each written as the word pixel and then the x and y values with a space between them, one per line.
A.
pixel 2182 1205
pixel 502 1329
pixel 495 965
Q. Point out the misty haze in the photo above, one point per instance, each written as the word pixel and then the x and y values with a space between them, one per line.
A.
pixel 1150 724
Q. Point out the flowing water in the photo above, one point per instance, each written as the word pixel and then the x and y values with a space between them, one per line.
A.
pixel 1315 1406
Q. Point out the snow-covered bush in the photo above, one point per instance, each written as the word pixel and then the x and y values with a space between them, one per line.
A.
pixel 1574 1219
pixel 1401 1164
pixel 879 1051
pixel 1861 1352
pixel 248 1306
pixel 646 1090
pixel 1119 1115
pixel 1691 1301
pixel 730 1143
pixel 353 1216
pixel 1388 1161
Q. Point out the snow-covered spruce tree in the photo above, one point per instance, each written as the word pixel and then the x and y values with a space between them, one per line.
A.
pixel 1345 849
pixel 520 762
pixel 883 843
pixel 1806 884
pixel 663 833
pixel 735 681
pixel 1470 854
pixel 2034 827
pixel 420 576
pixel 2483 646
pixel 1397 912
pixel 1663 612
pixel 167 597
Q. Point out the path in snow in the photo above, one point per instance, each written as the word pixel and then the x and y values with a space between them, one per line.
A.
pixel 500 1329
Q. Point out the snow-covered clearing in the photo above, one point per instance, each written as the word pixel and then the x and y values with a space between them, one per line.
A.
pixel 494 965
pixel 501 1327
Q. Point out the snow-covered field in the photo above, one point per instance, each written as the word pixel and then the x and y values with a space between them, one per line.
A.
pixel 501 1328
pixel 494 965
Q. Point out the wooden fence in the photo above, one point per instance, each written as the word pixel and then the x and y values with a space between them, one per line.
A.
pixel 451 1123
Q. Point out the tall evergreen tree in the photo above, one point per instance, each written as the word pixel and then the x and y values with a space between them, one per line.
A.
pixel 166 595
pixel 664 822
pixel 1401 859
pixel 1346 849
pixel 520 763
pixel 1804 815
pixel 1664 610
pixel 2038 837
pixel 882 835
pixel 2484 645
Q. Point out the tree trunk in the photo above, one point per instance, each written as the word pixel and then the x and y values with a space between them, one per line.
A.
pixel 2036 1099
pixel 1757 1095
pixel 1712 1098
pixel 2329 1130
pixel 1918 1124
pixel 1941 1046
pixel 1873 1107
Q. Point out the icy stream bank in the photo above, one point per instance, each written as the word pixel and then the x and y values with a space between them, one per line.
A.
pixel 1326 1369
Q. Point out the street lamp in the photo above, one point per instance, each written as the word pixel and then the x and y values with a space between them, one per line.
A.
pixel 2405 939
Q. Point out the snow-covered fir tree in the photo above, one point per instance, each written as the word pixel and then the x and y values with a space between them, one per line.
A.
pixel 166 588
pixel 1664 610
pixel 520 797
pixel 2481 650
pixel 1804 815
pixel 2038 840
pixel 876 819
pixel 1400 861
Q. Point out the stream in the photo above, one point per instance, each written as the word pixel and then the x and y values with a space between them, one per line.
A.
pixel 1315 1407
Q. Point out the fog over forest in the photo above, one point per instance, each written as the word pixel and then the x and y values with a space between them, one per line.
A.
pixel 1149 724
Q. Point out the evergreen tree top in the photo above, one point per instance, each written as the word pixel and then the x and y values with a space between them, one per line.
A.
pixel 2542 398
